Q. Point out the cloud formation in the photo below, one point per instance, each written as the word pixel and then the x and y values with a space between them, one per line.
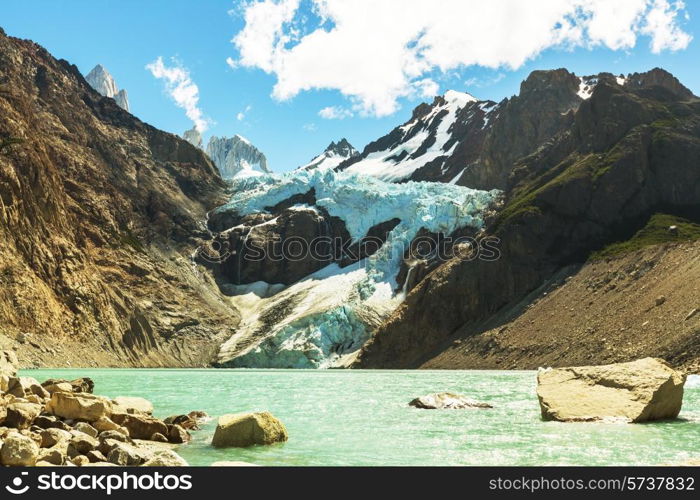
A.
pixel 377 51
pixel 335 113
pixel 180 87
pixel 240 116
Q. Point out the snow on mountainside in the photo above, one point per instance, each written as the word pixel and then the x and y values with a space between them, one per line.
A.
pixel 322 319
pixel 428 139
pixel 102 81
pixel 334 155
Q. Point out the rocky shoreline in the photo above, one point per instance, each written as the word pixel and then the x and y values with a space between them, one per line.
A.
pixel 62 423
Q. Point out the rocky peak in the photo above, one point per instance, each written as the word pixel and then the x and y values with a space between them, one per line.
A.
pixel 193 137
pixel 558 80
pixel 102 81
pixel 335 154
pixel 342 148
pixel 658 77
pixel 236 156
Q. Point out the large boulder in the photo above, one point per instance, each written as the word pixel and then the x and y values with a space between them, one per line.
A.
pixel 83 384
pixel 134 403
pixel 140 426
pixel 21 415
pixel 638 391
pixel 18 450
pixel 25 386
pixel 446 401
pixel 247 429
pixel 81 406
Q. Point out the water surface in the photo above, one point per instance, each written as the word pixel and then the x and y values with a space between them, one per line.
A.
pixel 361 417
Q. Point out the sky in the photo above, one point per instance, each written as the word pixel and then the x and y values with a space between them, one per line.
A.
pixel 294 75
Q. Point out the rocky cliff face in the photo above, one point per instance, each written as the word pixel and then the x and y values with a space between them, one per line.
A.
pixel 630 149
pixel 100 80
pixel 236 156
pixel 332 156
pixel 99 214
pixel 193 137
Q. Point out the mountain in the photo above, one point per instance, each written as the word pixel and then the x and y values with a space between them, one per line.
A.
pixel 460 139
pixel 100 80
pixel 193 137
pixel 99 216
pixel 617 180
pixel 332 156
pixel 236 156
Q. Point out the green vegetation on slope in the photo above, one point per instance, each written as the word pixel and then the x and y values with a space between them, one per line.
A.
pixel 656 232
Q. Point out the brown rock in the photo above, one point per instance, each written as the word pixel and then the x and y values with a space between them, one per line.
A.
pixel 78 406
pixel 247 429
pixel 96 456
pixel 18 450
pixel 177 434
pixel 21 415
pixel 140 426
pixel 51 437
pixel 638 391
pixel 158 437
pixel 86 428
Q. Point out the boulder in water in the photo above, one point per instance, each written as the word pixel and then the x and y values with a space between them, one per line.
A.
pixel 638 391
pixel 247 429
pixel 447 401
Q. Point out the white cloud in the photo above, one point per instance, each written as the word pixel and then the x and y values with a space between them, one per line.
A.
pixel 376 59
pixel 335 113
pixel 181 89
pixel 309 127
pixel 231 62
pixel 240 116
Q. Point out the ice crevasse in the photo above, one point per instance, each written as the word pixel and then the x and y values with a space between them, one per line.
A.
pixel 324 319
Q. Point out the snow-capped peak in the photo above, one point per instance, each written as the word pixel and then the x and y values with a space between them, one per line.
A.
pixel 428 139
pixel 460 99
pixel 332 156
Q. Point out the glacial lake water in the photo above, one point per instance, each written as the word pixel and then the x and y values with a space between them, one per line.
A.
pixel 361 417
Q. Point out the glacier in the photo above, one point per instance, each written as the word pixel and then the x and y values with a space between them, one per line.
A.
pixel 324 319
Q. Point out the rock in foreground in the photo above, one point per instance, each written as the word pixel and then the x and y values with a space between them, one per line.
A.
pixel 447 401
pixel 247 429
pixel 638 391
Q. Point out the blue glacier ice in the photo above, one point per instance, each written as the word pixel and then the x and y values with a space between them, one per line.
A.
pixel 333 309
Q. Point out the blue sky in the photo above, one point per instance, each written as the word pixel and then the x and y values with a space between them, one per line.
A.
pixel 125 36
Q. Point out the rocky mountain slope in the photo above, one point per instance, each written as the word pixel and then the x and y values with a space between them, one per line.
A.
pixel 101 80
pixel 642 303
pixel 332 156
pixel 99 214
pixel 631 150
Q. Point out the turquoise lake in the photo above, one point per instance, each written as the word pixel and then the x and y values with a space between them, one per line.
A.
pixel 361 417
